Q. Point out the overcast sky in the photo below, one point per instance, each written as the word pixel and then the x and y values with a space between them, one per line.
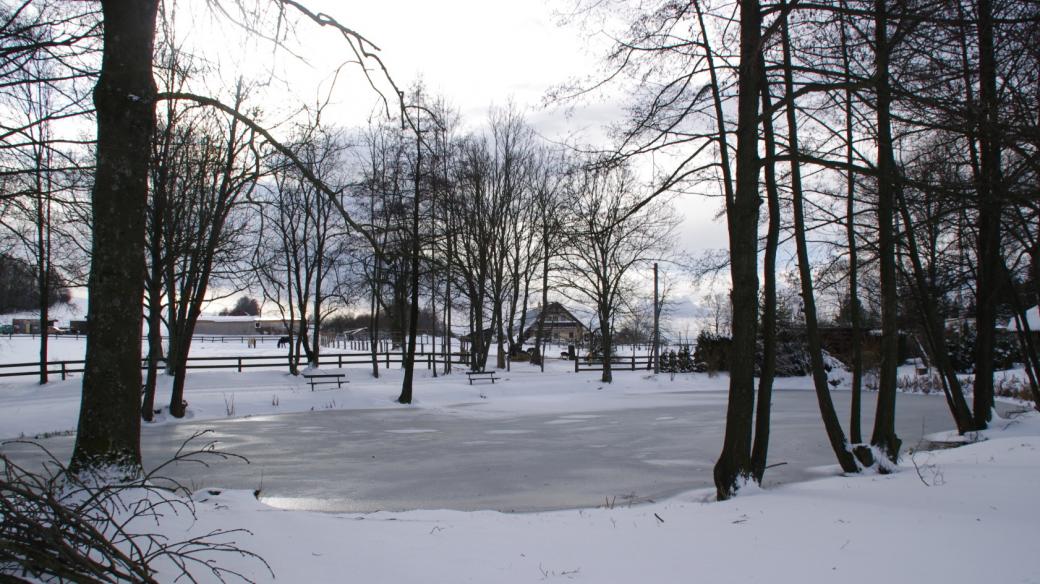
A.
pixel 475 53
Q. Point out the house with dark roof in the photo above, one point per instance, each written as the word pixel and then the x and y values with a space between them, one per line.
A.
pixel 560 326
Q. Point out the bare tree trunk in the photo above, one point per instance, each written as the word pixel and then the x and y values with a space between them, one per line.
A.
pixel 734 464
pixel 545 293
pixel 43 255
pixel 157 269
pixel 373 333
pixel 856 318
pixel 884 435
pixel 447 308
pixel 154 339
pixel 109 425
pixel 413 314
pixel 835 435
pixel 989 211
pixel 606 344
pixel 760 449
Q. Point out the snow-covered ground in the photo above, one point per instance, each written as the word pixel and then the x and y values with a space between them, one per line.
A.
pixel 960 515
pixel 963 516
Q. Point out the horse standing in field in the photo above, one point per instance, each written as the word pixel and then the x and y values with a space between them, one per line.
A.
pixel 283 342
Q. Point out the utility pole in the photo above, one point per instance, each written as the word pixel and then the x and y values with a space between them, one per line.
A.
pixel 657 326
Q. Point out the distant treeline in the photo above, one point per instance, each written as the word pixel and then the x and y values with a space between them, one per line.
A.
pixel 346 322
pixel 19 290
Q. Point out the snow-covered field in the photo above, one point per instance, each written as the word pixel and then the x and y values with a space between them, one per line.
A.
pixel 960 515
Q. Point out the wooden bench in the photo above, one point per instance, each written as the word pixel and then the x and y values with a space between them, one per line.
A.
pixel 325 378
pixel 481 375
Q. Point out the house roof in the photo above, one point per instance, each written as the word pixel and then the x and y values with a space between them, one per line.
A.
pixel 531 320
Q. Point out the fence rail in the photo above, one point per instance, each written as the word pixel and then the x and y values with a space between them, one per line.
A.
pixel 617 362
pixel 66 368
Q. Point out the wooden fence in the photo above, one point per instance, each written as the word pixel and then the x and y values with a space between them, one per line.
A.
pixel 617 362
pixel 65 368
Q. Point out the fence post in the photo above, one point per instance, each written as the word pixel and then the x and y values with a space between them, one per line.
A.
pixel 239 364
pixel 340 360
pixel 575 363
pixel 388 359
pixel 63 371
pixel 633 361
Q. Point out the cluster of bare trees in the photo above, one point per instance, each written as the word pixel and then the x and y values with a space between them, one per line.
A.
pixel 487 222
pixel 161 201
pixel 47 59
pixel 182 198
pixel 890 140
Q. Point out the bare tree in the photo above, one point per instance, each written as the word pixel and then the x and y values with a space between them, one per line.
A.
pixel 216 174
pixel 124 98
pixel 300 269
pixel 549 181
pixel 609 243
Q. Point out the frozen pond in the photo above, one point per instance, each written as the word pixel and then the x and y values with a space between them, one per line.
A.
pixel 458 458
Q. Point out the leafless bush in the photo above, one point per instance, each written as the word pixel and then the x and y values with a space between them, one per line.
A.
pixel 1013 387
pixel 61 527
pixel 920 384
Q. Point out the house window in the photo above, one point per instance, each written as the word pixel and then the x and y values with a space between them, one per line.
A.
pixel 570 334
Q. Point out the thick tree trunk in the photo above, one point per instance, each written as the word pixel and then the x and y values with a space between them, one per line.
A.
pixel 884 436
pixel 988 223
pixel 109 424
pixel 734 464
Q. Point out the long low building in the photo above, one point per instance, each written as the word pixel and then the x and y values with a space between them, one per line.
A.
pixel 242 325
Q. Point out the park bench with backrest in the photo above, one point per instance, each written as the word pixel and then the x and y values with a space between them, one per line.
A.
pixel 481 375
pixel 323 378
